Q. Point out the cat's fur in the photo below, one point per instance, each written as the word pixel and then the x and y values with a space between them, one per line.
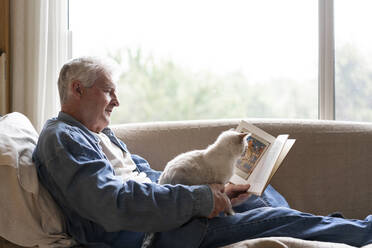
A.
pixel 215 164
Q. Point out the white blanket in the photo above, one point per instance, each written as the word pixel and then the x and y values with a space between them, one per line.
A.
pixel 285 242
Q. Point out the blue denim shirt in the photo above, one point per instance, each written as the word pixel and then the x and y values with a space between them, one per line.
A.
pixel 101 209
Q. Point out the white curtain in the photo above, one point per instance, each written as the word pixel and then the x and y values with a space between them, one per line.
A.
pixel 39 38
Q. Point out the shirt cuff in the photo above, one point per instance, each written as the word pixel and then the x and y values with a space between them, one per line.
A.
pixel 204 202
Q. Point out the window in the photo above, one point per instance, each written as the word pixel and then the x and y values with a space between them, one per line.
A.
pixel 353 60
pixel 211 59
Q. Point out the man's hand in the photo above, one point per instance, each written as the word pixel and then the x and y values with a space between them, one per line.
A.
pixel 221 201
pixel 237 193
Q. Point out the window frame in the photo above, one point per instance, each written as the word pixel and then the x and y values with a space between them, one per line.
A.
pixel 326 66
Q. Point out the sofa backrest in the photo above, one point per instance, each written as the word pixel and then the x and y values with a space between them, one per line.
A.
pixel 329 168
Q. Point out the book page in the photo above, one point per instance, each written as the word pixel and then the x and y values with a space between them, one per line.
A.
pixel 287 146
pixel 256 167
pixel 258 143
pixel 261 175
pixel 255 150
pixel 245 127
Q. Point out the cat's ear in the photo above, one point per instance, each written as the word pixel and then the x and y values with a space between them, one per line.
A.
pixel 242 135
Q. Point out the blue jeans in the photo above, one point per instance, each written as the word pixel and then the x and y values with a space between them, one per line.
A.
pixel 266 216
pixel 270 215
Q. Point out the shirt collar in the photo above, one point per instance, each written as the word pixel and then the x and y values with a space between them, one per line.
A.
pixel 62 116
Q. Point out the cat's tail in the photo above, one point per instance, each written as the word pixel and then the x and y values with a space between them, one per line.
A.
pixel 230 210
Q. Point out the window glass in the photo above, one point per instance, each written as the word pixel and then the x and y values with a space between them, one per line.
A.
pixel 205 59
pixel 353 59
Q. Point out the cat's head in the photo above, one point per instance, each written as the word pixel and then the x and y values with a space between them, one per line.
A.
pixel 236 142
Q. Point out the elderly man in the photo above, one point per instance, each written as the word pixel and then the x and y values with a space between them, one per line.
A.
pixel 110 197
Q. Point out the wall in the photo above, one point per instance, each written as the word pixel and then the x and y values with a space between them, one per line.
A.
pixel 5 47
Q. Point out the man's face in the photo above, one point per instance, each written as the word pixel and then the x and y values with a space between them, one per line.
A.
pixel 98 102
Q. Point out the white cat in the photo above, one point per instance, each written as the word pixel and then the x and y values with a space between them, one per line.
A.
pixel 215 164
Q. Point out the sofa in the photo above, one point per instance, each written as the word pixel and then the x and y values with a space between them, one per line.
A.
pixel 328 170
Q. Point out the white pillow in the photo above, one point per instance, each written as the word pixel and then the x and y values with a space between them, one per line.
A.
pixel 28 214
pixel 18 139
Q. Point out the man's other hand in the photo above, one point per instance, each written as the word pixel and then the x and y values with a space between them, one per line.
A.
pixel 237 193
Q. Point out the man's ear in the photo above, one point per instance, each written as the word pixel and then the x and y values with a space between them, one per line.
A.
pixel 76 88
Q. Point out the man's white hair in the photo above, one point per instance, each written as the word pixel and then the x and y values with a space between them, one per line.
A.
pixel 86 70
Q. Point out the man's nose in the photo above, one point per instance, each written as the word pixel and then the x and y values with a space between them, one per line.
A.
pixel 115 101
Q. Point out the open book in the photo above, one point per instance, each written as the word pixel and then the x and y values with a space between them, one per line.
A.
pixel 262 158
